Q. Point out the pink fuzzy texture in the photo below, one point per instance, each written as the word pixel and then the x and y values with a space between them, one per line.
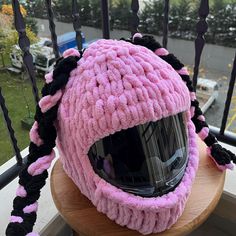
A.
pixel 116 86
pixel 48 77
pixel 20 192
pixel 192 96
pixel 31 208
pixel 71 52
pixel 183 71
pixel 203 133
pixel 16 219
pixel 42 164
pixel 137 35
pixel 49 101
pixel 192 111
pixel 161 52
pixel 32 234
pixel 201 117
pixel 34 136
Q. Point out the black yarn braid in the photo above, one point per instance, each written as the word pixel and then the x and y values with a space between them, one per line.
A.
pixel 221 155
pixel 47 132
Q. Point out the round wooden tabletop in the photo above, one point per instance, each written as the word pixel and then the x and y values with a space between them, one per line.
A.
pixel 83 217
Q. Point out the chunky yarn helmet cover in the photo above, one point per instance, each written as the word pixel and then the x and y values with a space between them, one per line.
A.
pixel 115 85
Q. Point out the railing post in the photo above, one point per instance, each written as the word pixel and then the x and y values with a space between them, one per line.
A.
pixel 229 97
pixel 165 24
pixel 77 24
pixel 135 19
pixel 10 129
pixel 52 28
pixel 105 19
pixel 24 45
pixel 201 27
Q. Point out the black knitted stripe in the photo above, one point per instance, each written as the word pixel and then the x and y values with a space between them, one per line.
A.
pixel 210 140
pixel 148 42
pixel 199 124
pixel 188 82
pixel 173 61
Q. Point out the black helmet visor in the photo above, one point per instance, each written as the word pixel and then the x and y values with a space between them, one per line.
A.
pixel 147 160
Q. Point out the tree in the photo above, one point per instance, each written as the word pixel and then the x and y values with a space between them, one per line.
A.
pixel 96 13
pixel 7 10
pixel 146 19
pixel 63 9
pixel 9 36
pixel 222 23
pixel 36 8
pixel 153 14
pixel 5 28
pixel 31 23
pixel 183 17
pixel 120 14
pixel 85 12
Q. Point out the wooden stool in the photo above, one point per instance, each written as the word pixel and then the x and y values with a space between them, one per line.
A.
pixel 83 217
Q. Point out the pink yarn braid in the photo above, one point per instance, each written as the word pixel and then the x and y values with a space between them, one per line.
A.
pixel 41 164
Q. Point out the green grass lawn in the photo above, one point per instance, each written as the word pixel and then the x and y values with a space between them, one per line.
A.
pixel 14 89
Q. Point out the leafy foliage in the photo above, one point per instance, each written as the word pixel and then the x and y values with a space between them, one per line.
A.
pixel 31 23
pixel 7 10
pixel 183 17
pixel 120 14
pixel 9 36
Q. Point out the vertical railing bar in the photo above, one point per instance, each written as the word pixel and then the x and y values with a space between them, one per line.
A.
pixel 10 129
pixel 48 4
pixel 229 97
pixel 135 19
pixel 24 45
pixel 105 19
pixel 201 27
pixel 77 24
pixel 165 23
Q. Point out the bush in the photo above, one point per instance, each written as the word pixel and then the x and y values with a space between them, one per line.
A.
pixel 183 17
pixel 32 24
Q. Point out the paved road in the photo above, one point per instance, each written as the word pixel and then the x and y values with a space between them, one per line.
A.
pixel 215 113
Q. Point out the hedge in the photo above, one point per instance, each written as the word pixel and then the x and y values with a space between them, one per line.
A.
pixel 182 18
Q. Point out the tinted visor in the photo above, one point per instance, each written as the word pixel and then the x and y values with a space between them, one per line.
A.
pixel 146 160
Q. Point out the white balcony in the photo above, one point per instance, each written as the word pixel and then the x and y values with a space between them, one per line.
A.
pixel 221 223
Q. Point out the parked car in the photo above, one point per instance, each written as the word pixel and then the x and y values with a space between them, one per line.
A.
pixel 16 54
pixel 42 52
pixel 45 59
pixel 207 93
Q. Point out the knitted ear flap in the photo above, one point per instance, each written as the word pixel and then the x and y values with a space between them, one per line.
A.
pixel 221 156
pixel 42 135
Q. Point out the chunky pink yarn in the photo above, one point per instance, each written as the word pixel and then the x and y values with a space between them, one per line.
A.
pixel 116 86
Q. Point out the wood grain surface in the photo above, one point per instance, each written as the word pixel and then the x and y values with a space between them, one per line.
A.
pixel 83 217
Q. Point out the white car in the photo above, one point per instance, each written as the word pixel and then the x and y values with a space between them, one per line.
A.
pixel 207 92
pixel 16 54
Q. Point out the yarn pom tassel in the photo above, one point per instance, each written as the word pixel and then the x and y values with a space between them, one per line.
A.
pixel 221 157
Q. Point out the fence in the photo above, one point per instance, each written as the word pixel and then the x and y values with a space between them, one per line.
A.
pixel 201 29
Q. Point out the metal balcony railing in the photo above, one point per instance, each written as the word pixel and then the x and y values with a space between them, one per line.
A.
pixel 201 28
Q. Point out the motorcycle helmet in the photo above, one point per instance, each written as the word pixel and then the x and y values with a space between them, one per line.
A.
pixel 124 117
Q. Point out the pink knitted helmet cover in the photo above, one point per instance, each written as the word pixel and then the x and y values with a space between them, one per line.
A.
pixel 116 86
